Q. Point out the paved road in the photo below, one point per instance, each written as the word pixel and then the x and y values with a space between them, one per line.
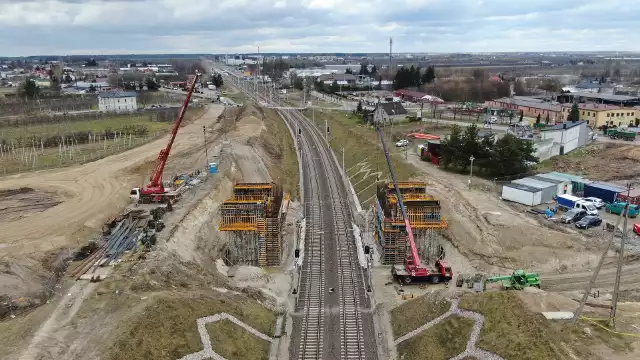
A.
pixel 333 317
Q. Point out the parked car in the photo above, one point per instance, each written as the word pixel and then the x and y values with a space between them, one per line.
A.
pixel 402 143
pixel 636 229
pixel 589 221
pixel 598 203
pixel 618 208
pixel 573 215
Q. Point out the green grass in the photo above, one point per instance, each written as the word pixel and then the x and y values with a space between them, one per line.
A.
pixel 515 333
pixel 440 342
pixel 283 160
pixel 225 337
pixel 93 124
pixel 361 145
pixel 416 312
pixel 167 327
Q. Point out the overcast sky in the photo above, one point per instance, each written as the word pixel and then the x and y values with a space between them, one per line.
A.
pixel 38 27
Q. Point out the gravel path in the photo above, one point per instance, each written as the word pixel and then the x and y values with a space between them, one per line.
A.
pixel 208 352
pixel 471 350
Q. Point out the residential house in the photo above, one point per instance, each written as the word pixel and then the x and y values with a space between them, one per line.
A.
pixel 567 136
pixel 598 115
pixel 408 95
pixel 389 112
pixel 117 101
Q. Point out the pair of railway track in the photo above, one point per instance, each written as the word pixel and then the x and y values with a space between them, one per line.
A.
pixel 332 293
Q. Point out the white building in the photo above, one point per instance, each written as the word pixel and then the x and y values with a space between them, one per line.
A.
pixel 119 101
pixel 566 136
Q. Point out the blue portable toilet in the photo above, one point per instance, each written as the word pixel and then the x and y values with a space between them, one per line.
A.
pixel 213 168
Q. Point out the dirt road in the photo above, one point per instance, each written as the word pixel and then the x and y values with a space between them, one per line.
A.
pixel 91 192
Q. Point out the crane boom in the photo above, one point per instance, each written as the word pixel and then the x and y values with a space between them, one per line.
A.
pixel 155 180
pixel 416 262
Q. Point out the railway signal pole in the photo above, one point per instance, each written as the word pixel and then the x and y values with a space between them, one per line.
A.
pixel 616 288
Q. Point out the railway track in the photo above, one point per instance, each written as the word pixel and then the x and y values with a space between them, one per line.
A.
pixel 333 317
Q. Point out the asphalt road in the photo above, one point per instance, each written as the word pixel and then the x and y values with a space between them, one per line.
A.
pixel 333 316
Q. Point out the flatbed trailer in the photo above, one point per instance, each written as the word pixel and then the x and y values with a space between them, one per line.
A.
pixel 441 272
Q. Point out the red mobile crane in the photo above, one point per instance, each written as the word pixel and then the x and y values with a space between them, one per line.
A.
pixel 413 268
pixel 155 190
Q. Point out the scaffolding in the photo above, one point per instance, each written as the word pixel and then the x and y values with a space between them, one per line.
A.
pixel 424 215
pixel 253 218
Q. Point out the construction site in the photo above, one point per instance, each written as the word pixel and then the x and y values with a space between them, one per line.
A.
pixel 252 220
pixel 425 217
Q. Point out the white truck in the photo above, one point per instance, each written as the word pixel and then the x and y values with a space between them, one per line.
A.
pixel 211 87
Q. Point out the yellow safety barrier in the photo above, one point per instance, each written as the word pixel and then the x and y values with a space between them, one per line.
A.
pixel 594 322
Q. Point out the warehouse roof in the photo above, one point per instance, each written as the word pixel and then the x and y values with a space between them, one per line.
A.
pixel 547 179
pixel 393 108
pixel 609 97
pixel 522 187
pixel 563 126
pixel 607 187
pixel 535 183
pixel 532 103
pixel 117 94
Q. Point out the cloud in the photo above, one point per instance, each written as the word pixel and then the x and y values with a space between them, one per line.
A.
pixel 33 27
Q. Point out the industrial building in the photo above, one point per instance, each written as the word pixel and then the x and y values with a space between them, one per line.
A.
pixel 253 220
pixel 598 115
pixel 547 190
pixel 117 101
pixel 425 218
pixel 566 137
pixel 522 194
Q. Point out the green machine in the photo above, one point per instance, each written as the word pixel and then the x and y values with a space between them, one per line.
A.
pixel 624 135
pixel 516 281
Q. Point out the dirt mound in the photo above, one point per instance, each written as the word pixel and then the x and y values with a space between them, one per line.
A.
pixel 537 300
pixel 601 161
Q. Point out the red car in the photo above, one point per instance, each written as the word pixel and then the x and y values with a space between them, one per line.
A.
pixel 636 229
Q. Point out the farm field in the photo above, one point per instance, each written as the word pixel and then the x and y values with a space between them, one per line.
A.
pixel 43 146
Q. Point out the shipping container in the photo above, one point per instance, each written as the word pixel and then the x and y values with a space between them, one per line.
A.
pixel 566 186
pixel 548 189
pixel 522 194
pixel 577 182
pixel 605 192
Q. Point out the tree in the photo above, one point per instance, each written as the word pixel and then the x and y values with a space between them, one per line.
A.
pixel 91 63
pixel 508 156
pixel 91 89
pixel 521 116
pixel 359 108
pixel 574 114
pixel 374 70
pixel 510 117
pixel 451 147
pixel 348 71
pixel 470 147
pixel 551 85
pixel 547 120
pixel 364 69
pixel 334 88
pixel 30 89
pixel 538 119
pixel 151 84
pixel 67 79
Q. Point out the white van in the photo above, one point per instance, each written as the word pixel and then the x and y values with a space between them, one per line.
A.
pixel 587 206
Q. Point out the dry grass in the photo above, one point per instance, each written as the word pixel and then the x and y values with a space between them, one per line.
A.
pixel 277 143
pixel 363 155
pixel 513 332
pixel 167 327
pixel 440 342
pixel 598 161
pixel 417 312
pixel 225 337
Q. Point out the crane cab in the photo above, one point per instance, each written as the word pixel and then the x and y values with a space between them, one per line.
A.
pixel 134 195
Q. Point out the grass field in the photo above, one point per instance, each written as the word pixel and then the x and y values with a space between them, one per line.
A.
pixel 167 327
pixel 93 125
pixel 24 159
pixel 440 342
pixel 515 333
pixel 363 155
pixel 283 160
pixel 225 337
pixel 417 312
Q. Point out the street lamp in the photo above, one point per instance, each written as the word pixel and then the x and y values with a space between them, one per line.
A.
pixel 206 152
pixel 471 158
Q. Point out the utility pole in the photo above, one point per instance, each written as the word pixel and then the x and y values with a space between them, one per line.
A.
pixel 616 288
pixel 471 158
pixel 326 130
pixel 343 169
pixel 587 290
pixel 206 151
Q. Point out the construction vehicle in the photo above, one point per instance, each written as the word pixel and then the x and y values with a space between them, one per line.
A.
pixel 155 190
pixel 516 281
pixel 618 133
pixel 413 269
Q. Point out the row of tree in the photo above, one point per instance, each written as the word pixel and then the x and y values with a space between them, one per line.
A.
pixel 364 70
pixel 413 77
pixel 507 156
pixel 77 137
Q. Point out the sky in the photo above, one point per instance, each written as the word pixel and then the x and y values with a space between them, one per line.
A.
pixel 68 27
